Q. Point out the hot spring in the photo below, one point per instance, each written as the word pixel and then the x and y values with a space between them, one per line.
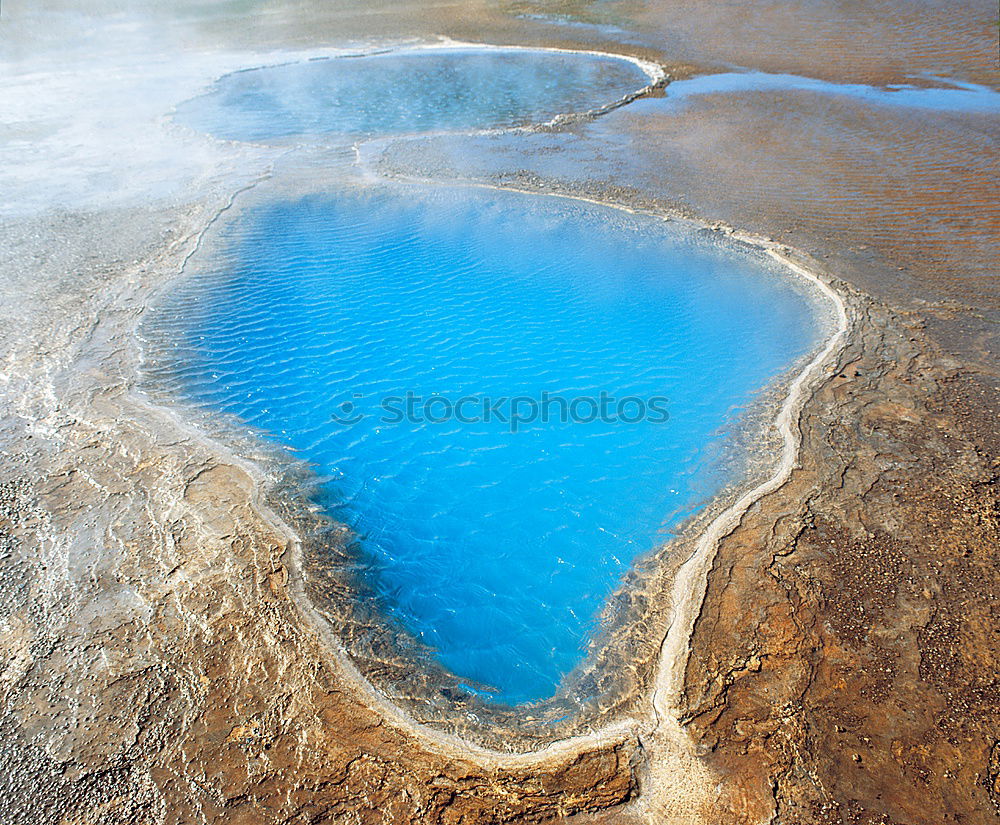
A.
pixel 351 325
pixel 510 397
pixel 410 91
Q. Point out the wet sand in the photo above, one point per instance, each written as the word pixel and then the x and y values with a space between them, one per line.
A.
pixel 843 664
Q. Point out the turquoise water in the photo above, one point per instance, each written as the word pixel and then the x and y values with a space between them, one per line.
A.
pixel 496 543
pixel 409 91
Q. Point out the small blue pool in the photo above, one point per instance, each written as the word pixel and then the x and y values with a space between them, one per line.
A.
pixel 350 325
pixel 407 91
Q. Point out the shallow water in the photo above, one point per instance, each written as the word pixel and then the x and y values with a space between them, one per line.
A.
pixel 955 96
pixel 495 543
pixel 409 91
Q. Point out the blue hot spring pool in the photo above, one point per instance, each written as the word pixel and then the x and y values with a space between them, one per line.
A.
pixel 407 91
pixel 496 543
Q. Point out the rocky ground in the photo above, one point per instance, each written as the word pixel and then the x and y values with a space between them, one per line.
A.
pixel 844 665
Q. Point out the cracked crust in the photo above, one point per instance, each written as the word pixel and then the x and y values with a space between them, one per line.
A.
pixel 858 685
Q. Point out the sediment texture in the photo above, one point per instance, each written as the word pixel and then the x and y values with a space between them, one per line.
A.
pixel 857 683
